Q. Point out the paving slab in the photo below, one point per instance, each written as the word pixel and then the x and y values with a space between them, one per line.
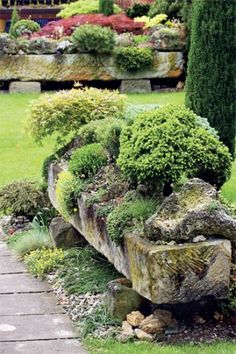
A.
pixel 21 283
pixel 11 265
pixel 69 346
pixel 29 304
pixel 35 327
pixel 4 250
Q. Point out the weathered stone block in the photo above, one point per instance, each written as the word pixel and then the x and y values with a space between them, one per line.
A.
pixel 135 86
pixel 160 273
pixel 20 86
pixel 84 67
pixel 64 235
pixel 179 273
pixel 194 211
pixel 122 299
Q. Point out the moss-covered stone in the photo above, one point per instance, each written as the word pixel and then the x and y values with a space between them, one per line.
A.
pixel 194 211
pixel 162 274
pixel 83 67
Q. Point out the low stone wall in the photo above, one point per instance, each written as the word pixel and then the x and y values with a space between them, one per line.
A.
pixel 84 67
pixel 160 273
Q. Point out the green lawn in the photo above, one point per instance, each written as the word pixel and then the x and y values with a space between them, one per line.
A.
pixel 96 346
pixel 20 157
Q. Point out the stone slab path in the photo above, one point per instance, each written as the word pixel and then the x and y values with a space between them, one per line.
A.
pixel 31 322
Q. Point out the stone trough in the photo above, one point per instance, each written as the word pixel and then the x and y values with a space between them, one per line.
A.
pixel 169 273
pixel 29 68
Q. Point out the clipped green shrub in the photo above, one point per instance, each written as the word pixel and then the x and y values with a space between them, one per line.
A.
pixel 94 39
pixel 106 132
pixel 65 194
pixel 133 59
pixel 43 261
pixel 106 7
pixel 129 216
pixel 25 27
pixel 138 10
pixel 87 160
pixel 166 143
pixel 83 7
pixel 22 198
pixel 212 94
pixel 65 112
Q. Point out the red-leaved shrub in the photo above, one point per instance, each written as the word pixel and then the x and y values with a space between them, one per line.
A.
pixel 65 27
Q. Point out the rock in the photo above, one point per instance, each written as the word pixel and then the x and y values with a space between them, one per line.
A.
pixel 20 86
pixel 195 210
pixel 135 318
pixel 161 273
pixel 165 316
pixel 135 86
pixel 152 325
pixel 199 238
pixel 179 273
pixel 180 85
pixel 217 316
pixel 126 332
pixel 122 299
pixel 140 334
pixel 81 67
pixel 198 320
pixel 64 235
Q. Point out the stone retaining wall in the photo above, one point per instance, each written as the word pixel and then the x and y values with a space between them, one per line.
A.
pixel 84 67
pixel 160 273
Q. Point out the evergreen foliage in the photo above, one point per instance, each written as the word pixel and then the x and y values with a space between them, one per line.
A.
pixel 14 19
pixel 106 7
pixel 210 86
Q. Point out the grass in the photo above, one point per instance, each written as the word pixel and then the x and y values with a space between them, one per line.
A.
pixel 229 188
pixel 98 346
pixel 85 270
pixel 20 157
pixel 36 238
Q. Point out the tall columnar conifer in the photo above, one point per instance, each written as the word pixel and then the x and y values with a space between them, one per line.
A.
pixel 14 18
pixel 210 85
pixel 106 7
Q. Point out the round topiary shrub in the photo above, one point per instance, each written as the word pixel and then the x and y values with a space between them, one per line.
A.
pixel 87 160
pixel 133 59
pixel 94 39
pixel 25 28
pixel 22 198
pixel 164 144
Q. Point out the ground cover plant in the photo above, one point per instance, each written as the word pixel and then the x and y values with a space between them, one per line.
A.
pixel 85 270
pixel 27 241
